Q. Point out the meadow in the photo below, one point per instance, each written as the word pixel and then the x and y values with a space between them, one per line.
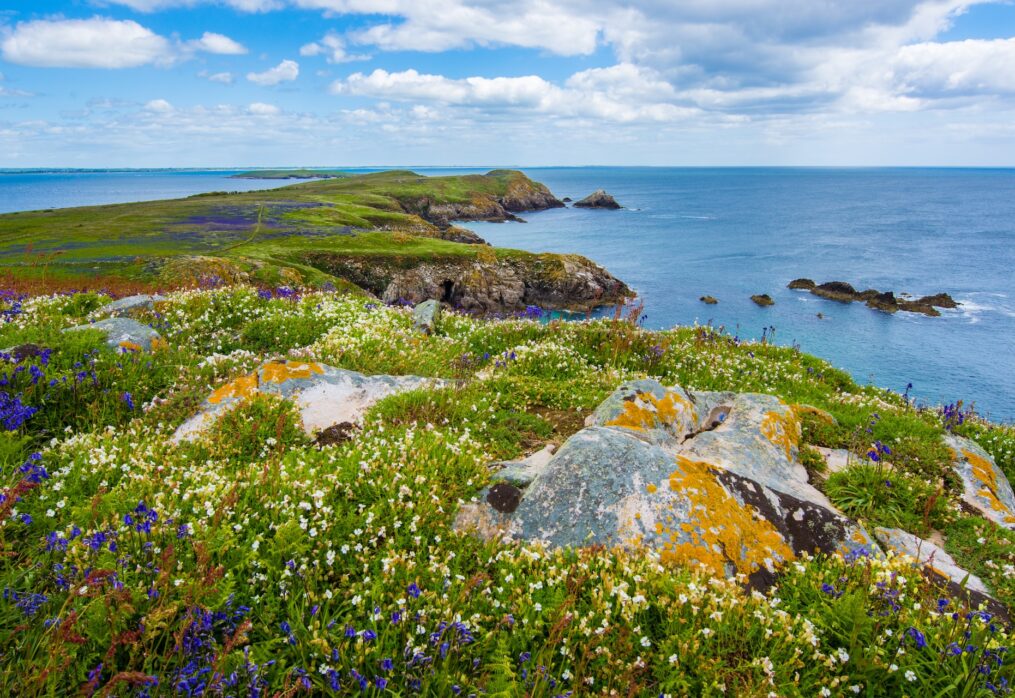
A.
pixel 254 561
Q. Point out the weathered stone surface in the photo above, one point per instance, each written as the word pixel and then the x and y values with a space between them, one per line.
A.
pixel 325 396
pixel 426 315
pixel 805 284
pixel 837 459
pixel 507 285
pixel 985 488
pixel 708 300
pixel 598 199
pixel 762 299
pixel 702 478
pixel 124 333
pixel 504 497
pixel 930 556
pixel 522 472
pixel 918 307
pixel 125 306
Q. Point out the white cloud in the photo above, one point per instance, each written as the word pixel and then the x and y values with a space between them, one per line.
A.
pixel 84 43
pixel 956 67
pixel 11 92
pixel 159 106
pixel 242 5
pixel 622 93
pixel 333 46
pixel 225 78
pixel 211 42
pixel 262 109
pixel 285 71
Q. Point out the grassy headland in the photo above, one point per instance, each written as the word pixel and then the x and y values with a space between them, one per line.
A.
pixel 396 219
pixel 290 174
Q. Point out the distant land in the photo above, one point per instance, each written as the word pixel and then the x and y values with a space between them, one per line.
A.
pixel 290 174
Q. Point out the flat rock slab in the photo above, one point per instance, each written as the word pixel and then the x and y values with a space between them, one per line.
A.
pixel 701 478
pixel 124 333
pixel 930 556
pixel 984 486
pixel 325 395
pixel 127 305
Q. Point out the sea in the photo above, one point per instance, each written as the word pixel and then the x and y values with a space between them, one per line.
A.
pixel 732 232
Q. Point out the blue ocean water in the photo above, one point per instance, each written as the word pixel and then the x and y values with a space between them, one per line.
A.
pixel 733 232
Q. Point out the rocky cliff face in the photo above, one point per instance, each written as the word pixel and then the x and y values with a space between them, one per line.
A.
pixel 500 285
pixel 516 194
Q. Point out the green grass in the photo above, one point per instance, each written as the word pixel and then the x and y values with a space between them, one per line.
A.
pixel 270 227
pixel 292 566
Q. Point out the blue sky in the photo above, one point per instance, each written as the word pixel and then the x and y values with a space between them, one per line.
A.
pixel 135 83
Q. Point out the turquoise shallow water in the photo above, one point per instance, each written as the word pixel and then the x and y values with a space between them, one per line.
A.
pixel 734 232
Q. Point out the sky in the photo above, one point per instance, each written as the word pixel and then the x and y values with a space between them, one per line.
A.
pixel 237 83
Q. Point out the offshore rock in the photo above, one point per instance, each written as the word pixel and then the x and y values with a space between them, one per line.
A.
pixel 702 478
pixel 805 284
pixel 885 302
pixel 984 486
pixel 426 315
pixel 125 334
pixel 325 396
pixel 939 300
pixel 598 199
pixel 708 300
pixel 836 291
pixel 125 306
pixel 762 299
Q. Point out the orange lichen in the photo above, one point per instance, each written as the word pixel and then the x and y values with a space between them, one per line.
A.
pixel 800 409
pixel 647 411
pixel 651 488
pixel 783 430
pixel 159 344
pixel 127 345
pixel 720 529
pixel 983 471
pixel 281 371
pixel 242 387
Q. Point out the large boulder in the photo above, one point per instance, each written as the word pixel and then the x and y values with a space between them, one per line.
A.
pixel 984 486
pixel 702 478
pixel 598 199
pixel 124 333
pixel 326 396
pixel 836 291
pixel 426 315
pixel 129 304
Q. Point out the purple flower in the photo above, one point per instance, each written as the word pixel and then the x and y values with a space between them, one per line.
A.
pixel 128 399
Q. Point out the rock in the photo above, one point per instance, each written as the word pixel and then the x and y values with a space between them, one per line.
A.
pixel 326 397
pixel 708 300
pixel 918 307
pixel 836 291
pixel 336 434
pixel 805 284
pixel 836 459
pixel 885 302
pixel 867 295
pixel 504 497
pixel 522 472
pixel 984 486
pixel 566 199
pixel 426 315
pixel 519 194
pixel 703 478
pixel 124 333
pixel 125 306
pixel 455 234
pixel 939 300
pixel 552 282
pixel 762 299
pixel 929 555
pixel 598 199
pixel 26 351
